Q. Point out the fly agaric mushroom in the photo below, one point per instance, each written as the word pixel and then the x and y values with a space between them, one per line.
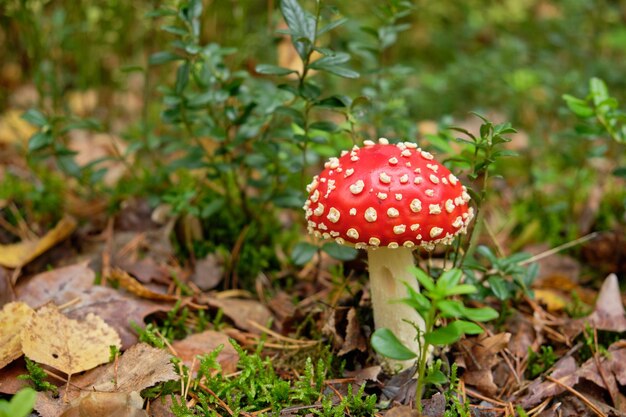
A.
pixel 388 199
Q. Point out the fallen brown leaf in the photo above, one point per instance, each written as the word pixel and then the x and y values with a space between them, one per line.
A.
pixel 9 383
pixel 107 404
pixel 401 411
pixel 138 368
pixel 209 272
pixel 19 254
pixel 202 343
pixel 6 293
pixel 242 311
pixel 480 355
pixel 609 311
pixel 65 344
pixel 74 284
pixel 133 286
pixel 14 316
pixel 564 371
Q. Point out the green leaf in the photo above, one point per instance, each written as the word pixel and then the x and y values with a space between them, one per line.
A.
pixel 330 60
pixel 451 308
pixel 303 252
pixel 39 141
pixel 461 289
pixel 332 64
pixel 301 25
pixel 598 90
pixel 444 335
pixel 273 70
pixel 451 333
pixel 620 172
pixel 162 57
pixel 342 72
pixel 340 252
pixel 324 126
pixel 182 78
pixel 332 25
pixel 416 300
pixel 22 403
pixel 449 279
pixel 499 287
pixel 479 314
pixel 387 344
pixel 436 377
pixel 335 101
pixel 35 117
pixel 578 106
pixel 423 278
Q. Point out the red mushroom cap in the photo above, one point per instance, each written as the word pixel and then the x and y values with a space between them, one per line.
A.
pixel 387 195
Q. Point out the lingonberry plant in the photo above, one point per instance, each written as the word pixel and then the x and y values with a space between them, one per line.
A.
pixel 446 319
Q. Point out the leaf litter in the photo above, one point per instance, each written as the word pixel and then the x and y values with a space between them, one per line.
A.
pixel 492 366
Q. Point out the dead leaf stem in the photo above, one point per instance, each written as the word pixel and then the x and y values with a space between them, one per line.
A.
pixel 576 393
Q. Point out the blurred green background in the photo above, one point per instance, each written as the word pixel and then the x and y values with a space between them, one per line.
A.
pixel 423 66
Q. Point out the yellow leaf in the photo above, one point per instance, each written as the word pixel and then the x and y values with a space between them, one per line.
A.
pixel 14 316
pixel 552 299
pixel 14 129
pixel 135 287
pixel 19 254
pixel 68 345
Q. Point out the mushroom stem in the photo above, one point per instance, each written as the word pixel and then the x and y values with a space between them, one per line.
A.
pixel 389 269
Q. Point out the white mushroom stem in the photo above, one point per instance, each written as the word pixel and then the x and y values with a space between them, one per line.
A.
pixel 388 269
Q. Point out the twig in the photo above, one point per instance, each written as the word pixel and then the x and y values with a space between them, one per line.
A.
pixel 596 358
pixel 559 248
pixel 218 399
pixel 69 303
pixel 280 336
pixel 475 394
pixel 581 397
pixel 538 409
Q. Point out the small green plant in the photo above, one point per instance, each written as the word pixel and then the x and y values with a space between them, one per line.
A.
pixel 36 376
pixel 446 318
pixel 455 407
pixel 503 277
pixel 51 142
pixel 482 151
pixel 577 308
pixel 20 405
pixel 600 111
pixel 541 361
pixel 257 387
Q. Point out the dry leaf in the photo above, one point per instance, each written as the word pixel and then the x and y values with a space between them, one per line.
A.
pixel 564 371
pixel 139 367
pixel 6 293
pixel 552 299
pixel 354 339
pixel 480 354
pixel 205 342
pixel 66 285
pixel 401 411
pixel 14 129
pixel 133 286
pixel 162 406
pixel 242 311
pixel 107 404
pixel 9 383
pixel 209 272
pixel 14 316
pixel 68 345
pixel 19 254
pixel 609 312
